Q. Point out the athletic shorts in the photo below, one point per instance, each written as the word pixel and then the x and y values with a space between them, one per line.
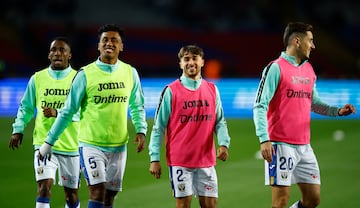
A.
pixel 68 168
pixel 103 167
pixel 197 181
pixel 292 165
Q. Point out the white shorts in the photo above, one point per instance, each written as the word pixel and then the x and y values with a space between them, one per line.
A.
pixel 103 167
pixel 68 169
pixel 292 165
pixel 197 181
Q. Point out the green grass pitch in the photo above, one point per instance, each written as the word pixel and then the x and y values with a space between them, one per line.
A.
pixel 240 178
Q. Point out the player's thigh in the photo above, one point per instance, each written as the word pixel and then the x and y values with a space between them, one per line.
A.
pixel 307 170
pixel 93 163
pixel 310 194
pixel 45 169
pixel 205 182
pixel 115 170
pixel 183 202
pixel 208 202
pixel 69 171
pixel 280 195
pixel 280 171
pixel 181 181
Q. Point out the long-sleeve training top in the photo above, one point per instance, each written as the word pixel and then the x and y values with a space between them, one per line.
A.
pixel 77 94
pixel 163 113
pixel 267 91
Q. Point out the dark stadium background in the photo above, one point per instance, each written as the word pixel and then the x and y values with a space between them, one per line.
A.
pixel 242 35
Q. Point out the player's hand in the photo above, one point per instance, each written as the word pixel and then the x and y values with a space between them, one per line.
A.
pixel 49 112
pixel 155 169
pixel 15 140
pixel 347 109
pixel 45 152
pixel 140 141
pixel 222 153
pixel 267 151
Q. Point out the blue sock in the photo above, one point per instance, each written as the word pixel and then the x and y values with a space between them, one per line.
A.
pixel 73 206
pixel 95 204
pixel 43 199
pixel 42 202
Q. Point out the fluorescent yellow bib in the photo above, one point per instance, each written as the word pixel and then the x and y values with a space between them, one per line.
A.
pixel 52 93
pixel 104 112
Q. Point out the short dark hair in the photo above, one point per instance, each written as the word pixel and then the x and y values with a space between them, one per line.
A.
pixel 295 28
pixel 64 39
pixel 111 27
pixel 194 49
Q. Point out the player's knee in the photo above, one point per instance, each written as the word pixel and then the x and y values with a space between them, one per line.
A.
pixel 208 202
pixel 97 192
pixel 312 203
pixel 71 196
pixel 44 190
pixel 280 202
pixel 183 202
pixel 109 197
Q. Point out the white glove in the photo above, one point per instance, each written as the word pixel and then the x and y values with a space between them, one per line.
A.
pixel 45 151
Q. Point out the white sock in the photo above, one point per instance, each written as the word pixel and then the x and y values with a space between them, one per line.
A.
pixel 42 205
pixel 295 205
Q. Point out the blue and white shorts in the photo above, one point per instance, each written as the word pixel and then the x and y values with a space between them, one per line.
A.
pixel 292 164
pixel 103 167
pixel 68 168
pixel 197 181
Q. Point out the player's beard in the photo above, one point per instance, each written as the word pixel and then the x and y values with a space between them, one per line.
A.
pixel 192 72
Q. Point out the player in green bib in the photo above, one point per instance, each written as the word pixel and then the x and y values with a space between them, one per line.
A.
pixel 104 90
pixel 44 97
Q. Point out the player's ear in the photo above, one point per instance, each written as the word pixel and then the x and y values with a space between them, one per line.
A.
pixel 121 46
pixel 297 41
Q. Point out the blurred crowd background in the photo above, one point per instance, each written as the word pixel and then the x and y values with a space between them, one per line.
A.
pixel 239 37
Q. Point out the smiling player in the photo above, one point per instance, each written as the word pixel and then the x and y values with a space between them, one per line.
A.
pixel 189 113
pixel 104 90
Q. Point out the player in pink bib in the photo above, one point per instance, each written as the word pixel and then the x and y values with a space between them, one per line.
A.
pixel 189 113
pixel 285 98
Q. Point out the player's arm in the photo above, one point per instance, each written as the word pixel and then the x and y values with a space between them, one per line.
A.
pixel 322 108
pixel 137 112
pixel 221 130
pixel 161 119
pixel 158 131
pixel 24 114
pixel 27 107
pixel 265 92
